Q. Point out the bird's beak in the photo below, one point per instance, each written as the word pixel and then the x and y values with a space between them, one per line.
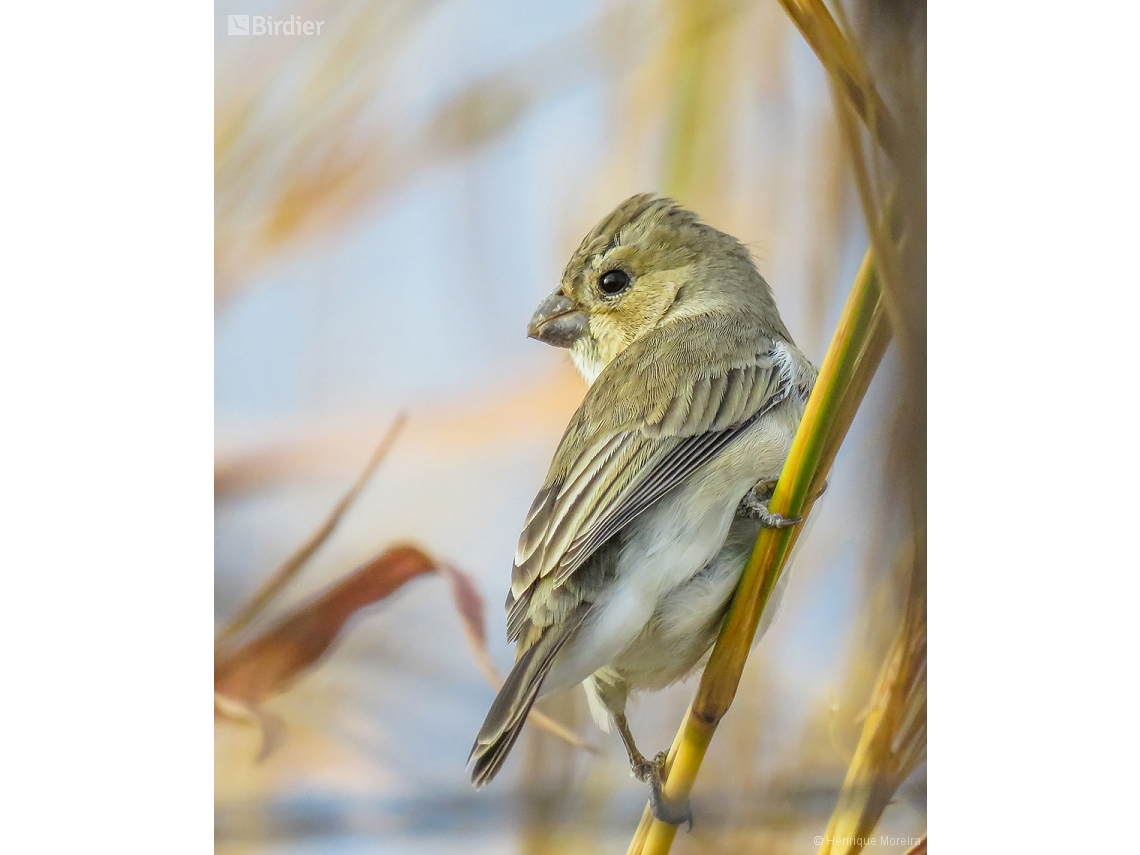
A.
pixel 558 321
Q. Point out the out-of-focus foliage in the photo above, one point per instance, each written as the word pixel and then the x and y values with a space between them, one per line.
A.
pixel 265 666
pixel 247 675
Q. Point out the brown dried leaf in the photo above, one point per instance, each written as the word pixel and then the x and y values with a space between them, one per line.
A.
pixel 267 665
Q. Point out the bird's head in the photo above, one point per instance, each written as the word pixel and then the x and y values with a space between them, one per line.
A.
pixel 649 262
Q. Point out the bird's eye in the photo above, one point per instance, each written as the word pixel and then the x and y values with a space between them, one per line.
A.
pixel 613 282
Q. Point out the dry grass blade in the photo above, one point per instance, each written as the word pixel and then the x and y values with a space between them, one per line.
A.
pixel 858 99
pixel 879 227
pixel 847 68
pixel 851 361
pixel 275 584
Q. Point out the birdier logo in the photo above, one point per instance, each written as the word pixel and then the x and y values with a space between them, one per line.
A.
pixel 267 25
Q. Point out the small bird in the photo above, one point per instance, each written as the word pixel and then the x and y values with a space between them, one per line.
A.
pixel 632 548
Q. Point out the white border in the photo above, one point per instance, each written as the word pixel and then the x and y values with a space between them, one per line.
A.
pixel 107 427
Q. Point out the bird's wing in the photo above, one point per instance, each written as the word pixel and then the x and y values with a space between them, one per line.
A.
pixel 664 407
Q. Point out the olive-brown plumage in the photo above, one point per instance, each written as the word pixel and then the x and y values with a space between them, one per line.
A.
pixel 634 543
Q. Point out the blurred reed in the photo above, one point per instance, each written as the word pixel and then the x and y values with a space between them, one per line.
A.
pixel 894 735
pixel 851 362
pixel 893 742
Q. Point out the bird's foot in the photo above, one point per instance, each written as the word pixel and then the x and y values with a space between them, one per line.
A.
pixel 651 773
pixel 754 505
pixel 641 768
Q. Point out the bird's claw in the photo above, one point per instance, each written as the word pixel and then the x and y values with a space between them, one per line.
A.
pixel 822 490
pixel 662 810
pixel 755 507
pixel 770 520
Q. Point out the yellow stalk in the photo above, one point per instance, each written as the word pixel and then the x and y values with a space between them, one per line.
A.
pixel 850 363
pixel 893 739
pixel 895 727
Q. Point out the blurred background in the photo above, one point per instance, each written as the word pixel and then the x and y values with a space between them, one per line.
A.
pixel 394 197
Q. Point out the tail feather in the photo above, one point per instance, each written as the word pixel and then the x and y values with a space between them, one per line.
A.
pixel 508 713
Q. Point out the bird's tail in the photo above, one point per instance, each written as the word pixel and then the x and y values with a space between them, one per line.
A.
pixel 508 713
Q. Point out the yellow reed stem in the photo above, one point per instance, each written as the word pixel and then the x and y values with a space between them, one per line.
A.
pixel 850 363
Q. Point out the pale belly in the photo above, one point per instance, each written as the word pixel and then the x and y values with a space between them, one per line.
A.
pixel 685 624
pixel 673 578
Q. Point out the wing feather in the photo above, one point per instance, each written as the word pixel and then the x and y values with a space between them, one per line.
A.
pixel 738 383
pixel 639 433
pixel 698 406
